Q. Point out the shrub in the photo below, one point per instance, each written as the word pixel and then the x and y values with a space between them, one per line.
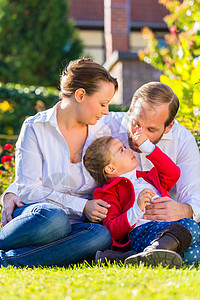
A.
pixel 18 101
pixel 37 38
pixel 179 59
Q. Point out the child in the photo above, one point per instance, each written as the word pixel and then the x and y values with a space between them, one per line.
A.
pixel 107 160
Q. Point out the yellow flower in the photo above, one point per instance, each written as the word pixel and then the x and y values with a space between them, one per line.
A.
pixel 5 106
pixel 10 131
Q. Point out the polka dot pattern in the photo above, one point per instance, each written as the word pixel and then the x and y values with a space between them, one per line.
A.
pixel 142 236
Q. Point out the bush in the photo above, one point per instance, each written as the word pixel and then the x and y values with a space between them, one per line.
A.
pixel 179 59
pixel 37 38
pixel 18 101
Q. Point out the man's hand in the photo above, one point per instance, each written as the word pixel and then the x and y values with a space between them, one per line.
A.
pixel 167 209
pixel 96 210
pixel 10 201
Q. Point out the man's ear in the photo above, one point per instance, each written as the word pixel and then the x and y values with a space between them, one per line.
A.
pixel 169 127
pixel 110 170
pixel 79 95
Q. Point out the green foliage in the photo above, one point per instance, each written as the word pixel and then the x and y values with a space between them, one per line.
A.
pixel 100 283
pixel 37 38
pixel 17 102
pixel 179 59
pixel 192 123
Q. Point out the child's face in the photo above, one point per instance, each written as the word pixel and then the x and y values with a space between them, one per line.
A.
pixel 123 160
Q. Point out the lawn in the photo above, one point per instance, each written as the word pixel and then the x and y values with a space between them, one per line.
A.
pixel 113 282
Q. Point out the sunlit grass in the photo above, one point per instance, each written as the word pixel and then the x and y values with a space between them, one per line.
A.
pixel 95 282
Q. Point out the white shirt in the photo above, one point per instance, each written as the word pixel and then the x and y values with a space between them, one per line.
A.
pixel 179 144
pixel 43 169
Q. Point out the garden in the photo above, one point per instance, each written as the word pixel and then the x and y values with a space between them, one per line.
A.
pixel 179 61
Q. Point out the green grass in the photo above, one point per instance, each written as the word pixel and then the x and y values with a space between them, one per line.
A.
pixel 113 282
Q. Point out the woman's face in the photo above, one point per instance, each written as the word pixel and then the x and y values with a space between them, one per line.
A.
pixel 93 107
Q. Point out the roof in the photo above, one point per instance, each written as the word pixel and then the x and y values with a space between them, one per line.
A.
pixel 143 12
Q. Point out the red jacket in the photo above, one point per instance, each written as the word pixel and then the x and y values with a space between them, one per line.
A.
pixel 119 193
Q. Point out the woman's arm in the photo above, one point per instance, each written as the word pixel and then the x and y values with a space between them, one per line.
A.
pixel 29 174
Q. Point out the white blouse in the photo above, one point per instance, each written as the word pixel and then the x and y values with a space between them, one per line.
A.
pixel 43 169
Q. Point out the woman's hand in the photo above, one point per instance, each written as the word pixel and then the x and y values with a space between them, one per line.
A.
pixel 144 197
pixel 96 210
pixel 10 201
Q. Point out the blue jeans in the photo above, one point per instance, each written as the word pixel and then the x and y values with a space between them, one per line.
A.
pixel 41 235
pixel 143 235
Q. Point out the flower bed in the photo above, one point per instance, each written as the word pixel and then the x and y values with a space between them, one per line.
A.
pixel 7 167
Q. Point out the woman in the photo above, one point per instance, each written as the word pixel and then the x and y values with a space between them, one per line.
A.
pixel 50 229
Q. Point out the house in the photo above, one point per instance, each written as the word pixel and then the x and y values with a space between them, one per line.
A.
pixel 111 32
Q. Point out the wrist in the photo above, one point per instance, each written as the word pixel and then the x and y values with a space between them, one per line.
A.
pixel 147 147
pixel 188 211
pixel 84 209
pixel 6 196
pixel 141 140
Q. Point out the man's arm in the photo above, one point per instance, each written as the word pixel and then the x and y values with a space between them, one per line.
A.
pixel 185 154
pixel 188 186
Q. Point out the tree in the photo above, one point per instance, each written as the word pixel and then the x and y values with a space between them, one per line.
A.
pixel 37 39
pixel 179 59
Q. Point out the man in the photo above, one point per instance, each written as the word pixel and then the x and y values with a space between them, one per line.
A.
pixel 154 107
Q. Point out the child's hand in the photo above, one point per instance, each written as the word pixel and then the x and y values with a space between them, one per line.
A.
pixel 144 198
pixel 137 134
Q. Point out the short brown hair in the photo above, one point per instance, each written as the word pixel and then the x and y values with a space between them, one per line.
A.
pixel 155 93
pixel 83 73
pixel 97 157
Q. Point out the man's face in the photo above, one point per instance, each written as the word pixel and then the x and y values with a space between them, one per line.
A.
pixel 150 119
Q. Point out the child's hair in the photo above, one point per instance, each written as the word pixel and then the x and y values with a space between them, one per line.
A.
pixel 84 73
pixel 97 157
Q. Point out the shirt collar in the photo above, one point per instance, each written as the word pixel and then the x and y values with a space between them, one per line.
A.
pixel 169 135
pixel 124 123
pixel 130 175
pixel 99 129
pixel 48 115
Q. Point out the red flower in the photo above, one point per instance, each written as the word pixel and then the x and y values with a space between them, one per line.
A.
pixel 1 172
pixel 8 146
pixel 173 29
pixel 6 158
